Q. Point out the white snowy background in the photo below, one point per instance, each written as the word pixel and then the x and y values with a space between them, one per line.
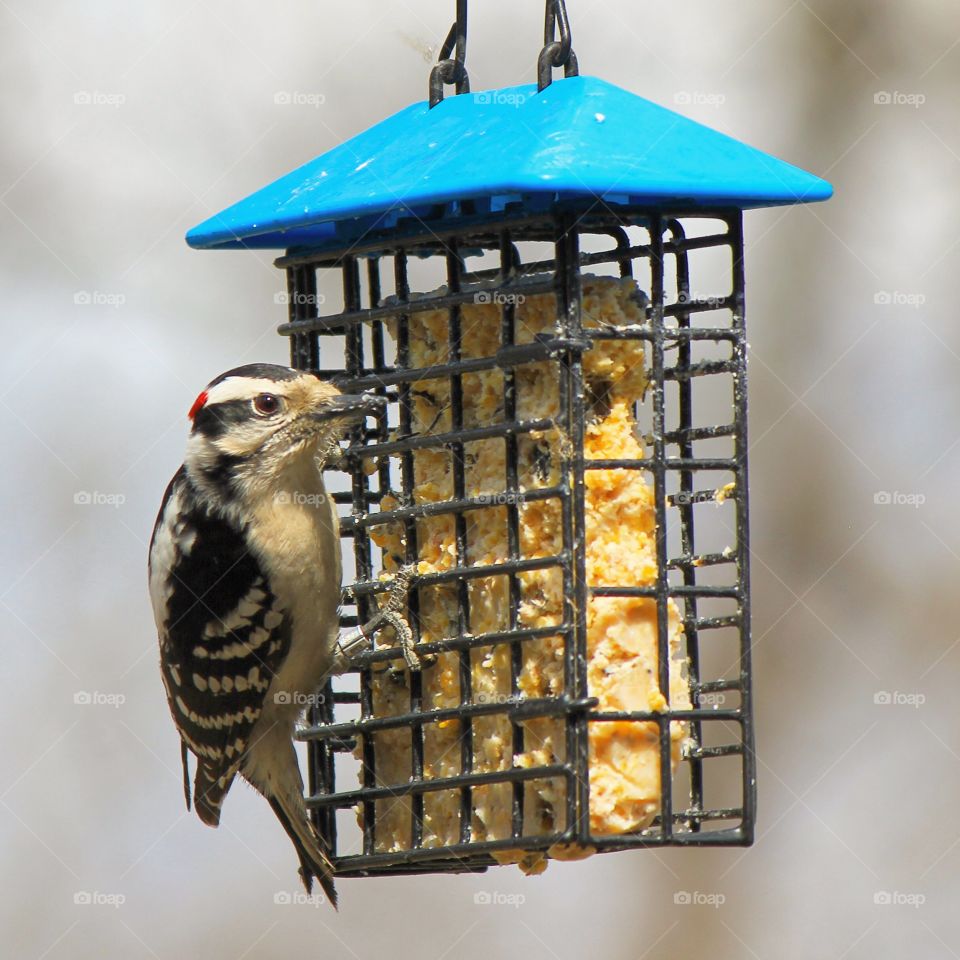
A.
pixel 125 124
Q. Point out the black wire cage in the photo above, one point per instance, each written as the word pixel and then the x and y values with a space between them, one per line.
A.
pixel 546 284
pixel 694 417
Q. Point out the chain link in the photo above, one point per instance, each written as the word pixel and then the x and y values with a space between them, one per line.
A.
pixel 556 53
pixel 453 71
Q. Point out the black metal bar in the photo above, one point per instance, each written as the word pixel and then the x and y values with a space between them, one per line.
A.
pixel 302 308
pixel 337 323
pixel 483 230
pixel 615 716
pixel 568 292
pixel 368 755
pixel 687 434
pixel 304 355
pixel 436 784
pixel 474 571
pixel 672 590
pixel 660 501
pixel 454 269
pixel 461 860
pixel 735 224
pixel 507 272
pixel 508 498
pixel 684 503
pixel 668 463
pixel 456 858
pixel 410 442
pixel 407 481
pixel 450 644
pixel 715 686
pixel 671 335
pixel 523 709
pixel 705 369
pixel 527 288
pixel 361 544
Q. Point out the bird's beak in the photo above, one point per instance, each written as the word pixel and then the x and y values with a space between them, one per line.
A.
pixel 351 406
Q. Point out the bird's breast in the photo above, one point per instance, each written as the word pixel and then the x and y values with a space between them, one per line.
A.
pixel 297 538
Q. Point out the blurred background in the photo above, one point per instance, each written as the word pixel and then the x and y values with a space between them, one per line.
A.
pixel 125 124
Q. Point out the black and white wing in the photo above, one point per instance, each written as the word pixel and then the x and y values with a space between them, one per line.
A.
pixel 222 638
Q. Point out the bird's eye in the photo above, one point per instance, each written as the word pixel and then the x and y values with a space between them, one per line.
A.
pixel 266 404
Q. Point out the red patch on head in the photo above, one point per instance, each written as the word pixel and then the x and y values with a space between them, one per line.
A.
pixel 198 405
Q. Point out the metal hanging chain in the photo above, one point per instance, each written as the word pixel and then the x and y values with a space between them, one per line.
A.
pixel 556 53
pixel 447 70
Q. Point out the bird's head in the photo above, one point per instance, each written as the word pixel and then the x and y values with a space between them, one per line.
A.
pixel 254 424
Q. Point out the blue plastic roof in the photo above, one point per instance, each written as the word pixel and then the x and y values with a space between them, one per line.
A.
pixel 580 138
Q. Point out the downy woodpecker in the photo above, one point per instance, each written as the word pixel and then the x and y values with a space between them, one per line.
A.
pixel 245 574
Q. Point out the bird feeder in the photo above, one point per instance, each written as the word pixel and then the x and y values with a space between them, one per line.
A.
pixel 546 282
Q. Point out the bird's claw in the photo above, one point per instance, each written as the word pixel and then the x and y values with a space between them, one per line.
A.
pixel 390 614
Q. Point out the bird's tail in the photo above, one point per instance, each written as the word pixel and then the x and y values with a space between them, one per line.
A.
pixel 209 789
pixel 270 764
pixel 313 861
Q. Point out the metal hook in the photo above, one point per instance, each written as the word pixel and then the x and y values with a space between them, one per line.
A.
pixel 556 53
pixel 447 70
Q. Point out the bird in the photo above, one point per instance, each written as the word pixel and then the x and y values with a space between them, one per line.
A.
pixel 245 581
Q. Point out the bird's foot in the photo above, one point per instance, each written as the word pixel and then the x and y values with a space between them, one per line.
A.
pixel 389 615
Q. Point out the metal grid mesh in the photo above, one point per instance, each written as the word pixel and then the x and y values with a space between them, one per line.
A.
pixel 694 420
